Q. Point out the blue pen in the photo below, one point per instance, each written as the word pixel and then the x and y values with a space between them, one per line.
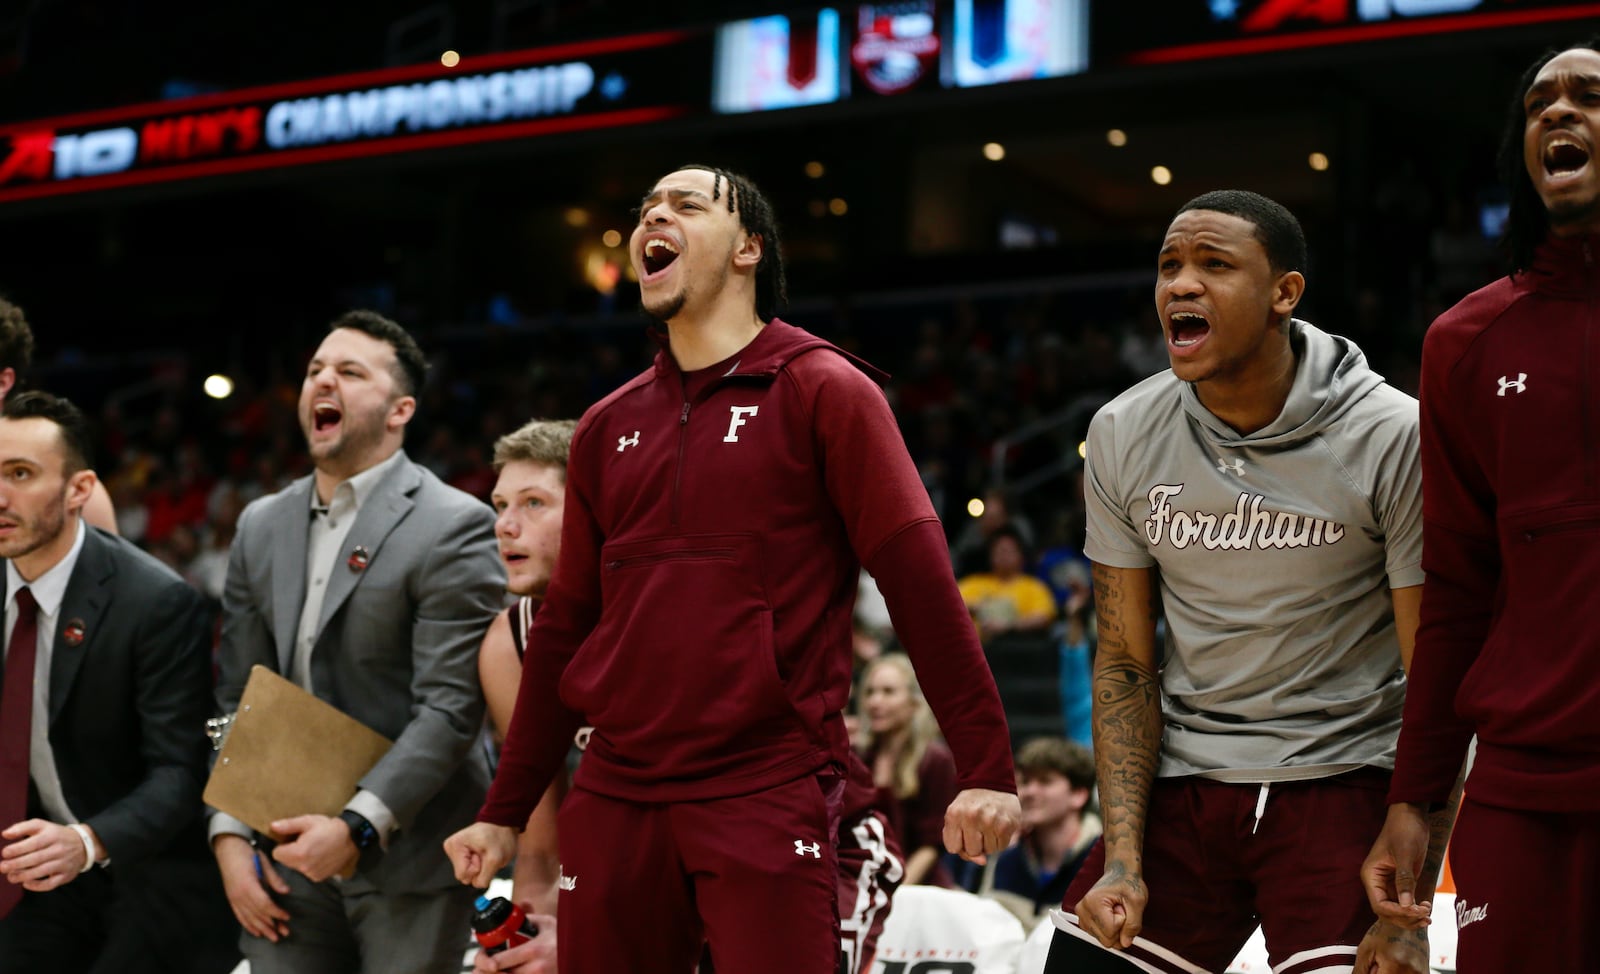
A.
pixel 259 875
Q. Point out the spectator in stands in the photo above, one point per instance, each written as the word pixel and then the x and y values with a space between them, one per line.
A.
pixel 1065 569
pixel 1055 780
pixel 1006 598
pixel 872 632
pixel 16 354
pixel 913 770
pixel 970 552
pixel 209 570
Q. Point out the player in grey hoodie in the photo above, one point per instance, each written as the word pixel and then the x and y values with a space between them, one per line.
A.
pixel 1269 481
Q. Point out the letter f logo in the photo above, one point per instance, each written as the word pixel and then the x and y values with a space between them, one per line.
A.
pixel 737 420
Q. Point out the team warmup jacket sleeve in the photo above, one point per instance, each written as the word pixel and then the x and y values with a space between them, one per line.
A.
pixel 874 485
pixel 542 727
pixel 1461 558
pixel 1508 647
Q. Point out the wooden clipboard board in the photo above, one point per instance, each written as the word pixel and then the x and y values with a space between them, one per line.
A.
pixel 289 753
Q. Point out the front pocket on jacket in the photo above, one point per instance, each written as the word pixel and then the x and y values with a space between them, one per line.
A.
pixel 682 667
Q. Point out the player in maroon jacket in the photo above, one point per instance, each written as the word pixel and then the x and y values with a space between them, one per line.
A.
pixel 1509 646
pixel 719 508
pixel 528 493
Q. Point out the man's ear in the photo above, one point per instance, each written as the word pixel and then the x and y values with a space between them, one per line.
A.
pixel 1286 293
pixel 750 251
pixel 400 412
pixel 8 381
pixel 79 488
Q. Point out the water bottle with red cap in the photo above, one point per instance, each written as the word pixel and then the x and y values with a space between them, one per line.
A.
pixel 499 924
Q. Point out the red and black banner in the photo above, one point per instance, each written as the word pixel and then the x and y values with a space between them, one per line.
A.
pixel 600 84
pixel 1129 33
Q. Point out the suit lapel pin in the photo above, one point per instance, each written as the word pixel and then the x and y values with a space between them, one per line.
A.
pixel 359 559
pixel 73 632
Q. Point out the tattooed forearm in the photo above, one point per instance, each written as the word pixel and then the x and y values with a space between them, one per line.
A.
pixel 1109 595
pixel 1441 823
pixel 1127 705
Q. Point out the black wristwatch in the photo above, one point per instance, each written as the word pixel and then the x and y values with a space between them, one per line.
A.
pixel 362 832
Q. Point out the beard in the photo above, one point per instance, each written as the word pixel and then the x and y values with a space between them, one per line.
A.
pixel 33 534
pixel 361 435
pixel 666 309
pixel 1574 212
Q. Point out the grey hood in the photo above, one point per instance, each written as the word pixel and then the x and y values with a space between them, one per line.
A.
pixel 1331 375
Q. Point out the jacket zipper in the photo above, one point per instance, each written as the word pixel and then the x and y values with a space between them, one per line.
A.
pixel 1560 527
pixel 677 471
pixel 683 434
pixel 697 554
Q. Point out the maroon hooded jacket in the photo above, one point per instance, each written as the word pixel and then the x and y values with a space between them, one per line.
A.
pixel 1509 645
pixel 700 614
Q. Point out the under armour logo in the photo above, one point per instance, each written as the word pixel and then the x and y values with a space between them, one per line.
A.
pixel 814 850
pixel 1235 467
pixel 738 420
pixel 623 442
pixel 568 883
pixel 1520 383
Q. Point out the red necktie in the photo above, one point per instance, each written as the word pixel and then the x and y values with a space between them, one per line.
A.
pixel 16 727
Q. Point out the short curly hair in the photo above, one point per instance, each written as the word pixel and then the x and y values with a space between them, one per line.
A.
pixel 16 338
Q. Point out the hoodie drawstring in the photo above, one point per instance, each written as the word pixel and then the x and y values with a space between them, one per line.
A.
pixel 1261 806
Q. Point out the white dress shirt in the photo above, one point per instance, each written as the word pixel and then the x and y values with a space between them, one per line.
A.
pixel 48 590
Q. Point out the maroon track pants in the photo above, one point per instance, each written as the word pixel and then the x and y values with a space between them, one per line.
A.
pixel 1527 890
pixel 1217 861
pixel 754 877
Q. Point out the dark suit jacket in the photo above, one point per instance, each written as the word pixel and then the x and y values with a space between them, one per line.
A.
pixel 129 697
pixel 129 702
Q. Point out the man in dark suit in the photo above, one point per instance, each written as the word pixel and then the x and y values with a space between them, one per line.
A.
pixel 102 710
pixel 371 584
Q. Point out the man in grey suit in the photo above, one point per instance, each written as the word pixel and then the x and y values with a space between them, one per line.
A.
pixel 106 688
pixel 371 584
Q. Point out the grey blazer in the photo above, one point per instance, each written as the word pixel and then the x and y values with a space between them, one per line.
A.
pixel 396 645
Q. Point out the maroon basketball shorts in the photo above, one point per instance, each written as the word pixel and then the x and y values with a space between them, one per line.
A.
pixel 644 886
pixel 870 869
pixel 1527 890
pixel 1221 858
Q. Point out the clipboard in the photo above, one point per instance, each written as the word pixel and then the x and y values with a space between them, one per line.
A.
pixel 289 753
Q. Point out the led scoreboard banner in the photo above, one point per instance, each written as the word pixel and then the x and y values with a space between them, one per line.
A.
pixel 1189 30
pixel 600 84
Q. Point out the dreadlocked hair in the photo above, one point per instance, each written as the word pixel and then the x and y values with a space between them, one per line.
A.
pixel 1527 223
pixel 756 217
